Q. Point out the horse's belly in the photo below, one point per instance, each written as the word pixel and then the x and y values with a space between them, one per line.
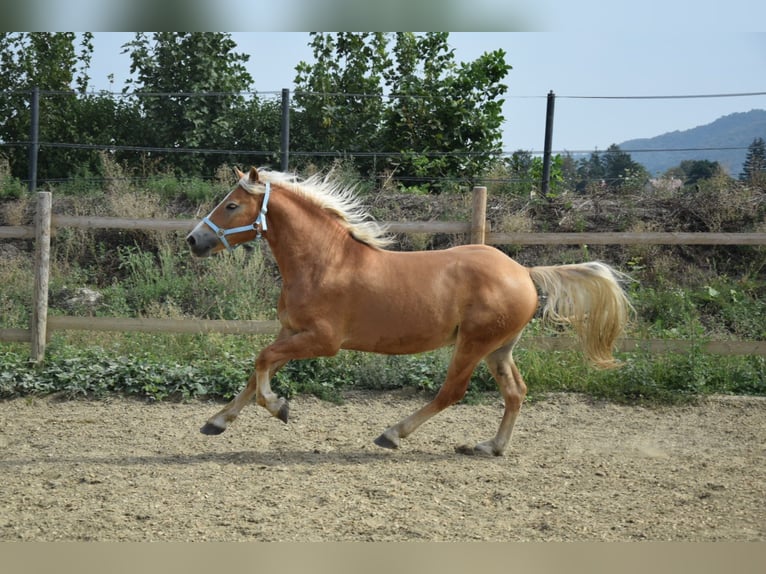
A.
pixel 404 344
pixel 394 331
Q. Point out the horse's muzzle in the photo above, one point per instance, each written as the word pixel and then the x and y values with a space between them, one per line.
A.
pixel 201 243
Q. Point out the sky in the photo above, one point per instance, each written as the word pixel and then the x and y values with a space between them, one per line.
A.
pixel 580 68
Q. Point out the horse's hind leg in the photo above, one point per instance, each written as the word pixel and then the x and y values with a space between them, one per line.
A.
pixel 513 390
pixel 455 385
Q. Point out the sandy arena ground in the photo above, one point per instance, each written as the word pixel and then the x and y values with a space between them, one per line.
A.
pixel 576 470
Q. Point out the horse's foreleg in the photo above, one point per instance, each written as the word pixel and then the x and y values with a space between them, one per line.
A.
pixel 259 385
pixel 288 346
pixel 264 396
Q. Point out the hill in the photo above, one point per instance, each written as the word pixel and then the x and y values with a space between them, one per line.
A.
pixel 724 140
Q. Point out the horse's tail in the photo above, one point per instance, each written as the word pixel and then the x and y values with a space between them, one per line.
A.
pixel 589 297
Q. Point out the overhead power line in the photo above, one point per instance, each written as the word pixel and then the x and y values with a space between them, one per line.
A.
pixel 666 97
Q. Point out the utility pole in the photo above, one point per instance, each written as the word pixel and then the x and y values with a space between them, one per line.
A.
pixel 285 136
pixel 546 183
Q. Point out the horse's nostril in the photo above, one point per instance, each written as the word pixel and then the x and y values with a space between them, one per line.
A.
pixel 190 240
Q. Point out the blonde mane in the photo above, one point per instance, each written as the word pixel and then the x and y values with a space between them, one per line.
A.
pixel 333 196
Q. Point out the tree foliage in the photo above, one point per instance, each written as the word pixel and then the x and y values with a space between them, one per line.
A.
pixel 399 102
pixel 621 171
pixel 50 62
pixel 187 85
pixel 613 169
pixel 692 171
pixel 340 96
pixel 754 167
pixel 440 119
pixel 449 113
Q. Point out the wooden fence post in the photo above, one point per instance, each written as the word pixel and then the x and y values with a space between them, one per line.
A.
pixel 479 215
pixel 39 325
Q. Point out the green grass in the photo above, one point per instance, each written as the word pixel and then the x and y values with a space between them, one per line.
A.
pixel 222 370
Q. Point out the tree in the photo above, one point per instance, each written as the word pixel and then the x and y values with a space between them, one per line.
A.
pixel 256 127
pixel 340 96
pixel 590 171
pixel 445 118
pixel 187 85
pixel 514 173
pixel 440 120
pixel 754 168
pixel 568 170
pixel 525 173
pixel 620 171
pixel 48 61
pixel 614 169
pixel 692 171
pixel 519 166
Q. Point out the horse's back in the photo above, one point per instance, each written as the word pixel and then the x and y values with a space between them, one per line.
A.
pixel 466 266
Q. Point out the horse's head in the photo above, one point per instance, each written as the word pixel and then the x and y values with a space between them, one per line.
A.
pixel 239 218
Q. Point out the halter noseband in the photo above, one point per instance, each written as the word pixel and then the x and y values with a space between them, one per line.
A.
pixel 258 225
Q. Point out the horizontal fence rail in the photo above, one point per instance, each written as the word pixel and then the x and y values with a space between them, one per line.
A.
pixel 619 238
pixel 271 327
pixel 46 225
pixel 428 227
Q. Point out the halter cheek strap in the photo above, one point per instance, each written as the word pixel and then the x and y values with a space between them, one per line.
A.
pixel 258 225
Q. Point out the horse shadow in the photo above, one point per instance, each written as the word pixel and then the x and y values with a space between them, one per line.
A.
pixel 264 459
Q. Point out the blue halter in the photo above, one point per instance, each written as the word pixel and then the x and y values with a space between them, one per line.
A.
pixel 258 225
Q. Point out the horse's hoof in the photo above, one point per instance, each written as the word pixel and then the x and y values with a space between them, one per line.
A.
pixel 284 412
pixel 478 450
pixel 211 429
pixel 385 442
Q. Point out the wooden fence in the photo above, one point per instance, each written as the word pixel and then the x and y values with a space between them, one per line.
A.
pixel 46 224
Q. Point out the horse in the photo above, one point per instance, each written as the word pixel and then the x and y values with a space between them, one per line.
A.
pixel 343 289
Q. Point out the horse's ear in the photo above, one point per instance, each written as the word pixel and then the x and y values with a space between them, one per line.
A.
pixel 253 175
pixel 240 175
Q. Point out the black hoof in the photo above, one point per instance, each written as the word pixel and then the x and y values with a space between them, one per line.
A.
pixel 469 450
pixel 211 429
pixel 284 412
pixel 466 450
pixel 385 442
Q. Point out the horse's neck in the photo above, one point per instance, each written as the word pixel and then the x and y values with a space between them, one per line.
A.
pixel 302 237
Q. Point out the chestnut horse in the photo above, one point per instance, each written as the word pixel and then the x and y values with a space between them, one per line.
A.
pixel 341 289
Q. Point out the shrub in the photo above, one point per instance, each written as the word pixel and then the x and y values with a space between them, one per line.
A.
pixel 10 187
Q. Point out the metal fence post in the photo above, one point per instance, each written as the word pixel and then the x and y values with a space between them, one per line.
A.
pixel 39 326
pixel 546 183
pixel 285 135
pixel 34 139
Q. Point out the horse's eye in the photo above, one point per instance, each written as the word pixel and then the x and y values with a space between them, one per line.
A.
pixel 231 205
